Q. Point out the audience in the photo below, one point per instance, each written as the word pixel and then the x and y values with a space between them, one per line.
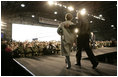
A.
pixel 37 48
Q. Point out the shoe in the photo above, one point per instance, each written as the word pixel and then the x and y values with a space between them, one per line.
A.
pixel 94 66
pixel 68 65
pixel 78 64
pixel 67 61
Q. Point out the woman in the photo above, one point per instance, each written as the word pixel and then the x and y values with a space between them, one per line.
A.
pixel 66 31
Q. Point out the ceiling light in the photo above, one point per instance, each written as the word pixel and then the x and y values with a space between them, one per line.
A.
pixel 60 4
pixel 22 5
pixel 83 11
pixel 50 2
pixel 33 16
pixel 64 6
pixel 112 25
pixel 100 15
pixel 103 19
pixel 55 19
pixel 55 12
pixel 91 21
pixel 70 8
pixel 76 30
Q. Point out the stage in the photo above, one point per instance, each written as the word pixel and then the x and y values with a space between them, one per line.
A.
pixel 54 65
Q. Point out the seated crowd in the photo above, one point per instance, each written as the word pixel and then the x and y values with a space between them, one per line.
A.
pixel 99 44
pixel 36 48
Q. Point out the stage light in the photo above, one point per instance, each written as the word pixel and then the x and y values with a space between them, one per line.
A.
pixel 50 2
pixel 64 6
pixel 76 30
pixel 112 25
pixel 92 33
pixel 97 17
pixel 103 19
pixel 94 16
pixel 33 16
pixel 100 15
pixel 55 12
pixel 70 8
pixel 60 5
pixel 91 21
pixel 55 19
pixel 55 3
pixel 83 11
pixel 22 5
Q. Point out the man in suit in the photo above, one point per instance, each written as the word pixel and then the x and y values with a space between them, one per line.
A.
pixel 83 40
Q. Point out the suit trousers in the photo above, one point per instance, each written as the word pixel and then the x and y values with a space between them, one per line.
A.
pixel 83 44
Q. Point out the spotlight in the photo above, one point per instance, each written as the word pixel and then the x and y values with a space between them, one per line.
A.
pixel 76 30
pixel 94 16
pixel 64 6
pixel 55 12
pixel 92 33
pixel 50 2
pixel 33 16
pixel 112 25
pixel 55 19
pixel 83 11
pixel 70 8
pixel 97 17
pixel 91 21
pixel 100 15
pixel 103 19
pixel 60 5
pixel 22 5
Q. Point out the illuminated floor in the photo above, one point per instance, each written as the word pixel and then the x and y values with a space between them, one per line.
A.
pixel 55 66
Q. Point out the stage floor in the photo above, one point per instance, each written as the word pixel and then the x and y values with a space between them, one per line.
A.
pixel 54 65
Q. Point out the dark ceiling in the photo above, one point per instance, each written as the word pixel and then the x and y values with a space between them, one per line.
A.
pixel 107 8
pixel 41 9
